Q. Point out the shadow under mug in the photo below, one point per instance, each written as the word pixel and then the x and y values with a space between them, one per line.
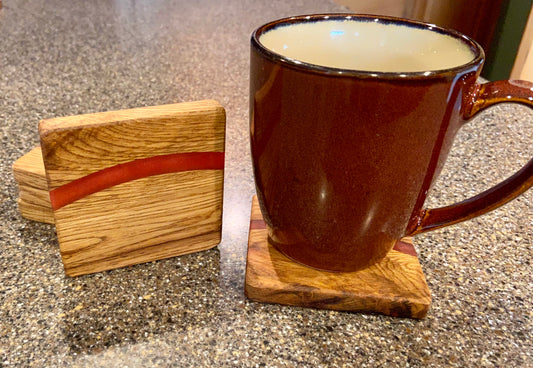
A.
pixel 343 157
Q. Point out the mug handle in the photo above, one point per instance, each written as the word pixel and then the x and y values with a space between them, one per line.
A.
pixel 483 96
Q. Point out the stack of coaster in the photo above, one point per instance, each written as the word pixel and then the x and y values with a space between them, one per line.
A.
pixel 129 186
pixel 34 200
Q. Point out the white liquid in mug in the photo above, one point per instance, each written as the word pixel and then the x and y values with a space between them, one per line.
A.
pixel 372 46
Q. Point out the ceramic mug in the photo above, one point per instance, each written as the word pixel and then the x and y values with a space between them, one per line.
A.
pixel 351 120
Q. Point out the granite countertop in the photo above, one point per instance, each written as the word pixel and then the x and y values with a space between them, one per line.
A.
pixel 62 58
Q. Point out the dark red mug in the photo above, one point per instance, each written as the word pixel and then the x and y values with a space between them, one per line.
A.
pixel 351 120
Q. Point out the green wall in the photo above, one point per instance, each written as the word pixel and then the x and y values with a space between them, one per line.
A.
pixel 507 38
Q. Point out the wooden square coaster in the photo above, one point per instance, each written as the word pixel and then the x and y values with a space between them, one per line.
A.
pixel 136 185
pixel 396 286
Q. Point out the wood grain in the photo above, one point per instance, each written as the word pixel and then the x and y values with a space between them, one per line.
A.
pixel 34 200
pixel 89 143
pixel 145 218
pixel 32 211
pixel 395 286
pixel 37 196
pixel 29 170
pixel 159 211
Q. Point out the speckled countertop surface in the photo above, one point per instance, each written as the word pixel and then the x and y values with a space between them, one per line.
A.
pixel 70 57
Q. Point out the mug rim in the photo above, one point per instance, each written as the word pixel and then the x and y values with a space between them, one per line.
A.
pixel 475 47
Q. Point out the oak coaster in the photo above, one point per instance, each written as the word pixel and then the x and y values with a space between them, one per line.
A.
pixel 396 286
pixel 136 185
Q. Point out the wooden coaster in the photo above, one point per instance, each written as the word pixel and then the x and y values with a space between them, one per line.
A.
pixel 396 286
pixel 137 185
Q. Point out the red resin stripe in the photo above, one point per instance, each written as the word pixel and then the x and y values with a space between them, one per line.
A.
pixel 133 170
pixel 405 248
pixel 257 225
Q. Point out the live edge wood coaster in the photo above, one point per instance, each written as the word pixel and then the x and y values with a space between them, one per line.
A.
pixel 396 286
pixel 136 185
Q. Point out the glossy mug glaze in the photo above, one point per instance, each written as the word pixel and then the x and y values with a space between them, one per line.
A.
pixel 345 152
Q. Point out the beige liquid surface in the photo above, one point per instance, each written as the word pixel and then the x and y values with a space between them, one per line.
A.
pixel 367 46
